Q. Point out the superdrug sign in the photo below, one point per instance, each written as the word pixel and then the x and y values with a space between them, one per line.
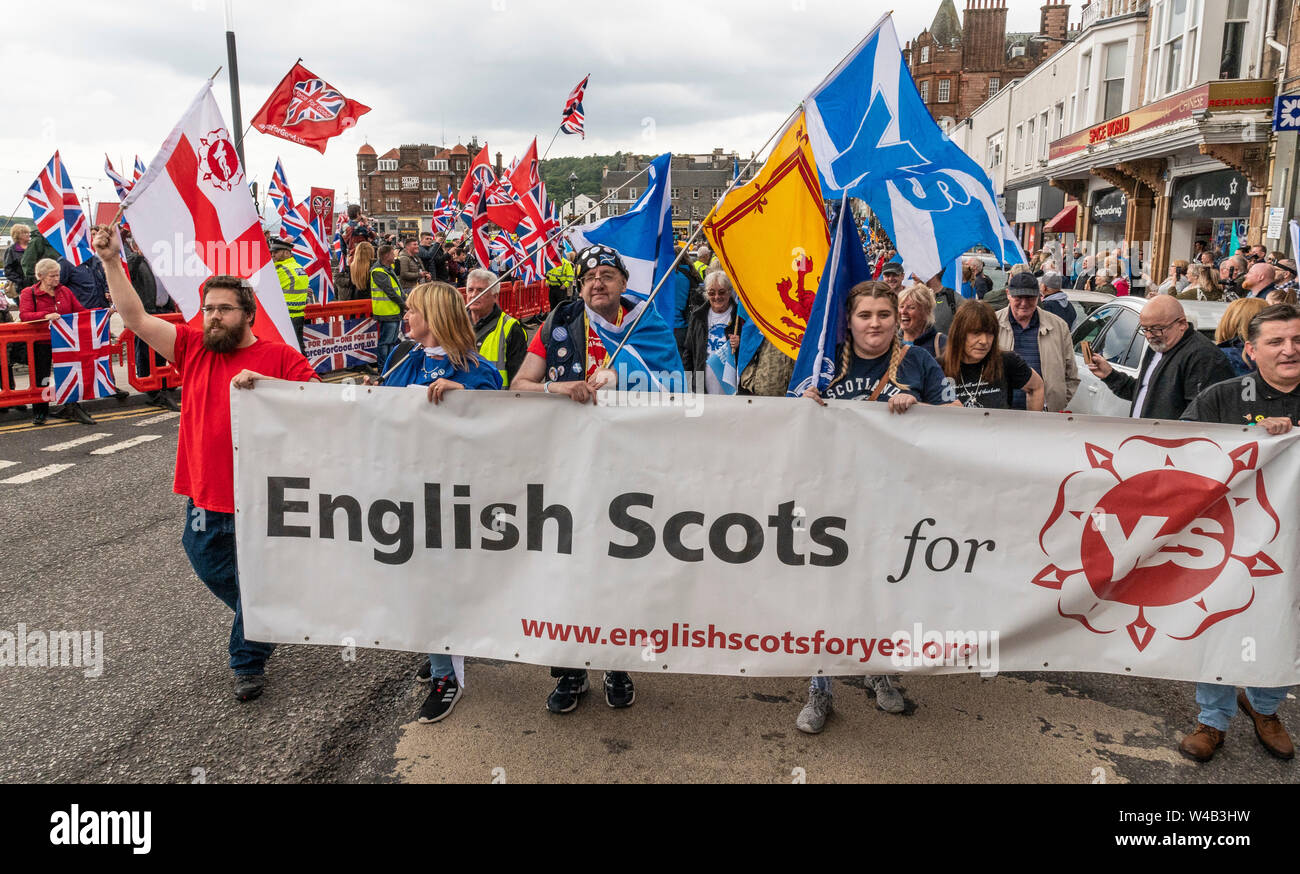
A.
pixel 1210 195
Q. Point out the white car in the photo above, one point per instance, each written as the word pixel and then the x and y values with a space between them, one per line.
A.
pixel 1112 331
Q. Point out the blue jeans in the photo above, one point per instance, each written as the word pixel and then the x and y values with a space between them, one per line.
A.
pixel 440 663
pixel 211 550
pixel 388 334
pixel 1218 703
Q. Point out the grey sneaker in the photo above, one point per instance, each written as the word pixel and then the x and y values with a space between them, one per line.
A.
pixel 888 698
pixel 813 716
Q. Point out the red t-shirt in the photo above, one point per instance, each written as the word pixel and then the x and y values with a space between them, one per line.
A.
pixel 205 457
pixel 596 350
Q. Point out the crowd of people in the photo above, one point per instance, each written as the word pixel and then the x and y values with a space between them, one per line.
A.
pixel 894 352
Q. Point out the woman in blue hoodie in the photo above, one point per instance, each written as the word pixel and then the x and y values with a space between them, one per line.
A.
pixel 442 354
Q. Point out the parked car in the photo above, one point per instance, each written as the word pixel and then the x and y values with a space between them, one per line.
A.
pixel 992 267
pixel 1112 331
pixel 1086 302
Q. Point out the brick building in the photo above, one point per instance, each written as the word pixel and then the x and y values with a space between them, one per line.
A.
pixel 960 63
pixel 697 183
pixel 398 188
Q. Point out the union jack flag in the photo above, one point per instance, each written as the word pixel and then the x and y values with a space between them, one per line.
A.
pixel 139 168
pixel 339 343
pixel 120 183
pixel 81 357
pixel 309 250
pixel 281 199
pixel 571 121
pixel 58 214
pixel 313 100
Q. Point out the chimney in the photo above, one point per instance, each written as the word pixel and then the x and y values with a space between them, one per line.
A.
pixel 1053 22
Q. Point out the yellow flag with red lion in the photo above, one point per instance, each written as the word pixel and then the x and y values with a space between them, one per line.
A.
pixel 772 239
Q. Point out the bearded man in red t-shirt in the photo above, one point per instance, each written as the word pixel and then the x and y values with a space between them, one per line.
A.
pixel 224 353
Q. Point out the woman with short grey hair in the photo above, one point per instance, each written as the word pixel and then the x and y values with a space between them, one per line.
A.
pixel 44 302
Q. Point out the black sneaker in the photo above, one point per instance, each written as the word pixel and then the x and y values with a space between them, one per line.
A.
pixel 249 686
pixel 568 691
pixel 39 418
pixel 167 402
pixel 442 698
pixel 425 673
pixel 618 689
pixel 74 413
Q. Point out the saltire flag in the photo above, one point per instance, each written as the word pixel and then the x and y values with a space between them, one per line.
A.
pixel 281 198
pixel 643 236
pixel 194 190
pixel 571 121
pixel 340 343
pixel 81 357
pixel 307 110
pixel 873 138
pixel 771 236
pixel 650 361
pixel 815 364
pixel 58 214
pixel 721 361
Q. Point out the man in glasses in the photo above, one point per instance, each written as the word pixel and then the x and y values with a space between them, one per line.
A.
pixel 1177 365
pixel 224 353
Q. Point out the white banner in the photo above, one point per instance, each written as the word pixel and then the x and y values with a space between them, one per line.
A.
pixel 766 536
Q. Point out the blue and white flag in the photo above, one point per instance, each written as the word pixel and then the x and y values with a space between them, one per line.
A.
pixel 846 266
pixel 649 361
pixel 721 363
pixel 643 236
pixel 874 139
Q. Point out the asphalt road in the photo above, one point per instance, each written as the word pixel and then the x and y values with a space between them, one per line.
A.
pixel 94 546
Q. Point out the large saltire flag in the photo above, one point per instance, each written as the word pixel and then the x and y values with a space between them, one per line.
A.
pixel 771 236
pixel 58 214
pixel 307 110
pixel 874 139
pixel 649 361
pixel 193 216
pixel 81 357
pixel 643 236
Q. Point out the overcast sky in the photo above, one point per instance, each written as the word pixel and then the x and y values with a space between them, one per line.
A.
pixel 667 75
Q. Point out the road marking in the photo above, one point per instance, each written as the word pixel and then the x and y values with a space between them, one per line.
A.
pixel 89 438
pixel 125 444
pixel 100 418
pixel 4 464
pixel 33 475
pixel 156 419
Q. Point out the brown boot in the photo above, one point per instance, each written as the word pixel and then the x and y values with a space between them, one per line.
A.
pixel 1202 743
pixel 1268 729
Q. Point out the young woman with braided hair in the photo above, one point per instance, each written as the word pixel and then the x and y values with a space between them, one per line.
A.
pixel 874 365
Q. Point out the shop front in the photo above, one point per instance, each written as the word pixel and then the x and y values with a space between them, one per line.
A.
pixel 1107 216
pixel 1027 207
pixel 1204 208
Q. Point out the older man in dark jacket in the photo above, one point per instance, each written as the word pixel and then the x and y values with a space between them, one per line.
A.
pixel 1178 364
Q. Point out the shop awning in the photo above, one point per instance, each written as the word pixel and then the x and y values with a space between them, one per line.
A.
pixel 1063 221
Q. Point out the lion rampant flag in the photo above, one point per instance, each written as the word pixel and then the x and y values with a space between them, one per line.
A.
pixel 772 239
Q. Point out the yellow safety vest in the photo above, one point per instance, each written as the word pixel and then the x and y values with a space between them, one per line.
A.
pixel 380 303
pixel 561 275
pixel 293 282
pixel 493 347
pixel 701 267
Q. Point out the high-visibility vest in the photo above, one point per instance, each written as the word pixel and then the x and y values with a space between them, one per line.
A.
pixel 293 282
pixel 493 346
pixel 561 275
pixel 701 267
pixel 380 303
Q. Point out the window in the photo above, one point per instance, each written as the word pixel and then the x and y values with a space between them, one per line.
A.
pixel 388 164
pixel 1019 157
pixel 1042 137
pixel 1174 26
pixel 944 89
pixel 631 194
pixel 428 205
pixel 993 151
pixel 1173 64
pixel 363 184
pixel 925 54
pixel 1060 121
pixel 995 84
pixel 365 204
pixel 1119 336
pixel 695 194
pixel 1085 76
pixel 673 194
pixel 1234 36
pixel 392 205
pixel 1029 144
pixel 1113 86
pixel 391 184
pixel 436 164
pixel 925 91
pixel 429 184
pixel 717 192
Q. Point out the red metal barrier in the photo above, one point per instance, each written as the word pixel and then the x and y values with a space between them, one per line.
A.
pixel 26 334
pixel 158 377
pixel 346 309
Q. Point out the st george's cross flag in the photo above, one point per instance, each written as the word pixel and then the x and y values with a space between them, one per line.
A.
pixel 307 110
pixel 192 214
pixel 81 357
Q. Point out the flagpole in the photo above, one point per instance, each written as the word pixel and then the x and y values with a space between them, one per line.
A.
pixel 551 143
pixel 235 112
pixel 686 248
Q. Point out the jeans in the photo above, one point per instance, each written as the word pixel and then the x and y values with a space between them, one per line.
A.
pixel 820 683
pixel 211 551
pixel 440 663
pixel 1218 703
pixel 388 334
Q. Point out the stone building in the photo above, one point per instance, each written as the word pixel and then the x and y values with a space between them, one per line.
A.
pixel 698 181
pixel 960 63
pixel 398 188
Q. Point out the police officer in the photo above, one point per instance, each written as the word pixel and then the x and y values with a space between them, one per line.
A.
pixel 502 341
pixel 293 282
pixel 386 301
pixel 559 279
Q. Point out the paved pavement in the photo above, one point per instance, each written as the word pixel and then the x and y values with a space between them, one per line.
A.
pixel 92 543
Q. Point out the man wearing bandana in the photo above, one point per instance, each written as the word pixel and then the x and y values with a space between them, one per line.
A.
pixel 570 355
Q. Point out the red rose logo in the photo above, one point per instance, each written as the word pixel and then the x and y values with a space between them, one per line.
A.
pixel 1142 538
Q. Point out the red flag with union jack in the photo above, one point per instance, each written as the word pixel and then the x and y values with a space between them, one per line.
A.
pixel 81 357
pixel 307 110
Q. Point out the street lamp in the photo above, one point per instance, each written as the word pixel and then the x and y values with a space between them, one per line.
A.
pixel 573 195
